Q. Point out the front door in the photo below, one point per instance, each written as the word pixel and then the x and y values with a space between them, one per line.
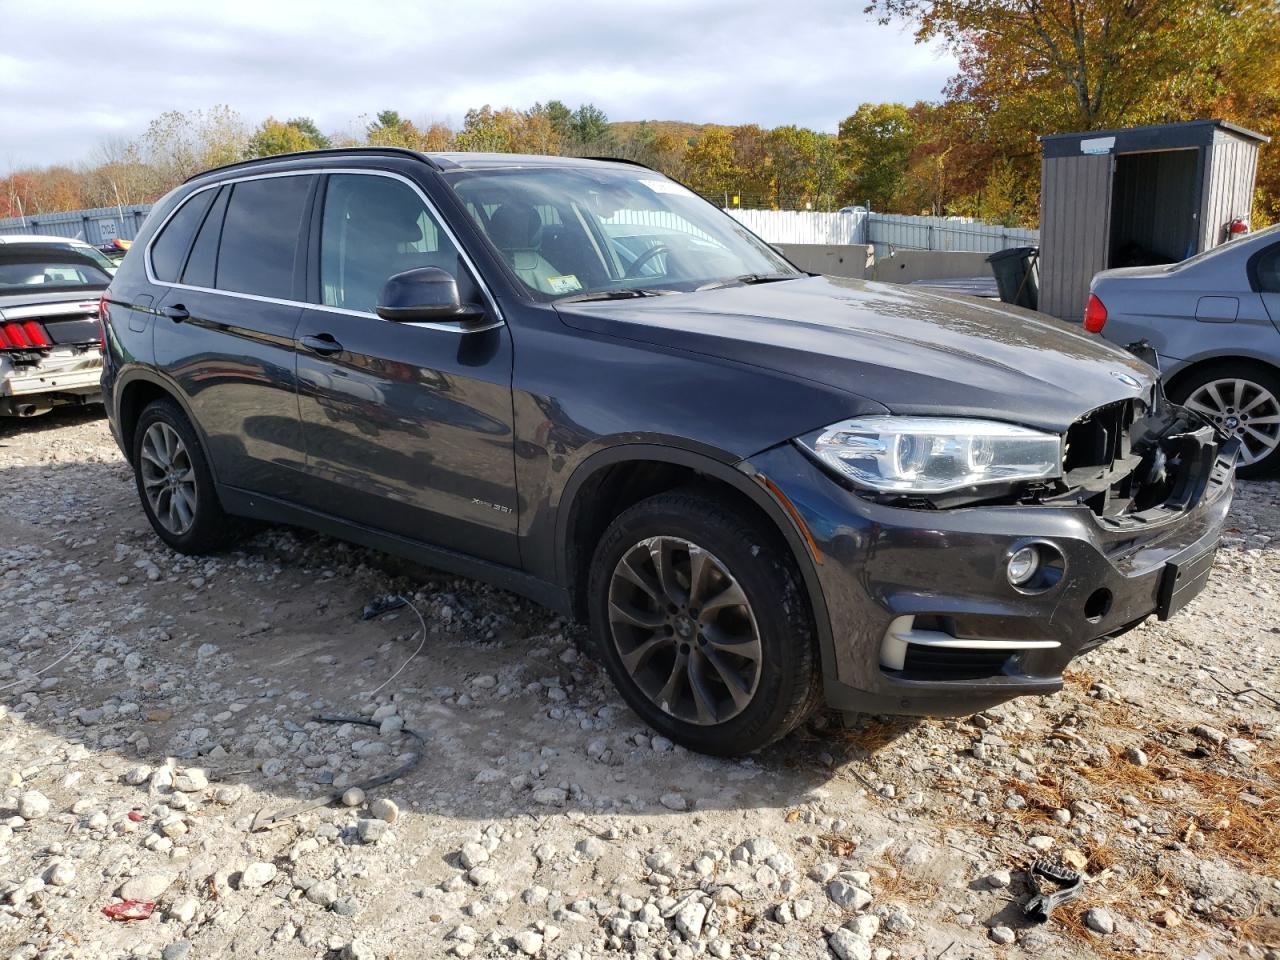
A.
pixel 407 426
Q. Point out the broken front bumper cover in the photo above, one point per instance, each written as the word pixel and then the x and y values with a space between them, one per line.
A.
pixel 921 616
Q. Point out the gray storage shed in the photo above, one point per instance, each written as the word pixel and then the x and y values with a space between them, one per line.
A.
pixel 1144 195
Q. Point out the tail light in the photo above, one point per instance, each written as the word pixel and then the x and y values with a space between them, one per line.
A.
pixel 102 324
pixel 1237 228
pixel 1095 314
pixel 23 336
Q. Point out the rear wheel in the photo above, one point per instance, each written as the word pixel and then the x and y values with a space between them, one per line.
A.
pixel 1244 401
pixel 699 616
pixel 174 482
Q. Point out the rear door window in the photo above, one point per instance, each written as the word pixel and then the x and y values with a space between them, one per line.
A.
pixel 260 236
pixel 169 250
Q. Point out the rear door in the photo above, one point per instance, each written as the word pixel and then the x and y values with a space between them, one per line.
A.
pixel 408 426
pixel 225 330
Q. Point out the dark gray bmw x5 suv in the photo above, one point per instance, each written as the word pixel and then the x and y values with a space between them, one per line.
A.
pixel 577 380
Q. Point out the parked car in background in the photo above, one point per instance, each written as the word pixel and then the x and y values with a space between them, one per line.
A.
pixel 115 250
pixel 49 331
pixel 1214 322
pixel 104 262
pixel 580 381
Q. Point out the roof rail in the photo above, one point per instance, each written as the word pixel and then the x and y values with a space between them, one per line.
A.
pixel 634 163
pixel 328 151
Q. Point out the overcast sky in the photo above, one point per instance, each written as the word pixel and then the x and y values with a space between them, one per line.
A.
pixel 98 69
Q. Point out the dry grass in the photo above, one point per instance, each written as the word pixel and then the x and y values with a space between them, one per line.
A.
pixel 1229 825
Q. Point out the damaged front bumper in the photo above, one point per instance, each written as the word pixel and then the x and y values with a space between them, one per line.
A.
pixel 921 615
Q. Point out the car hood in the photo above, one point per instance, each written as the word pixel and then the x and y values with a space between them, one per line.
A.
pixel 914 351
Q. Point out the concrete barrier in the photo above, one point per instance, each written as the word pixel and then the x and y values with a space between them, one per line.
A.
pixel 833 260
pixel 907 266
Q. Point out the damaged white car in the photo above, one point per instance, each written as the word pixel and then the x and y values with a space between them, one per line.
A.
pixel 50 336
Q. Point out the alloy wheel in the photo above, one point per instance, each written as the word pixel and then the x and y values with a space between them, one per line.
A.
pixel 684 630
pixel 168 478
pixel 1245 410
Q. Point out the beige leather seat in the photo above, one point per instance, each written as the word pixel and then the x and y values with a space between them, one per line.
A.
pixel 516 230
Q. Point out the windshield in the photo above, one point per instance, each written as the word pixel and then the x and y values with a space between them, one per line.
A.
pixel 574 232
pixel 49 269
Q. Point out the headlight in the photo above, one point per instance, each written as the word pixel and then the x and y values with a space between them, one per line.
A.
pixel 934 454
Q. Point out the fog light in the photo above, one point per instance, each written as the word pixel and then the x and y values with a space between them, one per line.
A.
pixel 1023 565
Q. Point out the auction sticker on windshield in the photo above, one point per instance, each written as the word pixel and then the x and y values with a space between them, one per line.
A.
pixel 564 284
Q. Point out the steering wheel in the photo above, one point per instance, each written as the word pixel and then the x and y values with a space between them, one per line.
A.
pixel 634 270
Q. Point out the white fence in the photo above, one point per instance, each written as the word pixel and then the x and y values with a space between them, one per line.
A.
pixel 803 226
pixel 885 231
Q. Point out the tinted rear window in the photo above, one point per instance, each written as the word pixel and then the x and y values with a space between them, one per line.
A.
pixel 170 248
pixel 260 236
pixel 203 261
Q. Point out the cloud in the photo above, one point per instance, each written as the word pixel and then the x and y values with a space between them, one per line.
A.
pixel 109 69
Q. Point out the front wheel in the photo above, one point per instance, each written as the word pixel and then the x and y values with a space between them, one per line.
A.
pixel 700 618
pixel 1244 401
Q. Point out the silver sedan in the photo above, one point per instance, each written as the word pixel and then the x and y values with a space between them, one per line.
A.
pixel 1214 321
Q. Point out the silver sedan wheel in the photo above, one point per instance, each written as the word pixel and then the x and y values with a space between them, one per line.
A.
pixel 1245 410
pixel 684 630
pixel 168 479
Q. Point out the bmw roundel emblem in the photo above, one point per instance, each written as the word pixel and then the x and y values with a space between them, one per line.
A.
pixel 1127 380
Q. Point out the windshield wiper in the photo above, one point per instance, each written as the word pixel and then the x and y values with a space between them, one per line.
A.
pixel 616 293
pixel 747 279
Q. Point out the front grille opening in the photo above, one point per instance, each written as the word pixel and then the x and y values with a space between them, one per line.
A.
pixel 942 663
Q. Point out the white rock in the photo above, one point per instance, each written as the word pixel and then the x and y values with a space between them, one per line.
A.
pixel 60 874
pixel 998 879
pixel 32 805
pixel 473 854
pixel 593 848
pixel 353 797
pixel 323 892
pixel 257 875
pixel 847 945
pixel 845 894
pixel 147 886
pixel 191 780
pixel 1001 935
pixel 866 926
pixel 529 942
pixel 674 801
pixel 690 919
pixel 137 776
pixel 385 809
pixel 1099 920
pixel 185 910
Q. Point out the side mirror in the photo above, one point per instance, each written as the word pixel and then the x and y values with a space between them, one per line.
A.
pixel 427 294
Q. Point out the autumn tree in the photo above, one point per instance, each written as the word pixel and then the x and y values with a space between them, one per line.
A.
pixel 875 144
pixel 177 145
pixel 709 163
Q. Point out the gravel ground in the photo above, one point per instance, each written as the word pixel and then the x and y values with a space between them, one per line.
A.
pixel 153 705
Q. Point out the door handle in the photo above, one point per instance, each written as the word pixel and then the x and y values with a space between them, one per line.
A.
pixel 322 343
pixel 177 313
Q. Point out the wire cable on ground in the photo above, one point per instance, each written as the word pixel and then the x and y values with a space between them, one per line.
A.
pixel 48 666
pixel 423 623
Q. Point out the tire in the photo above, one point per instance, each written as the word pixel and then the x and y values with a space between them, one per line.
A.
pixel 1244 399
pixel 662 649
pixel 184 513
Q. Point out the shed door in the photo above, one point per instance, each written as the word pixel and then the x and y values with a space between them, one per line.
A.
pixel 1075 226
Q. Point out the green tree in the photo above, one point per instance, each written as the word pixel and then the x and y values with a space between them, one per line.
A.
pixel 875 147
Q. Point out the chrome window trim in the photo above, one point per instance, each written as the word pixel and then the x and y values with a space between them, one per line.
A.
pixel 453 326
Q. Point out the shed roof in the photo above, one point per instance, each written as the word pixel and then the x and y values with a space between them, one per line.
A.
pixel 1162 136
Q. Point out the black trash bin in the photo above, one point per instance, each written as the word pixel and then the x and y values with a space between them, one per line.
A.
pixel 1017 273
